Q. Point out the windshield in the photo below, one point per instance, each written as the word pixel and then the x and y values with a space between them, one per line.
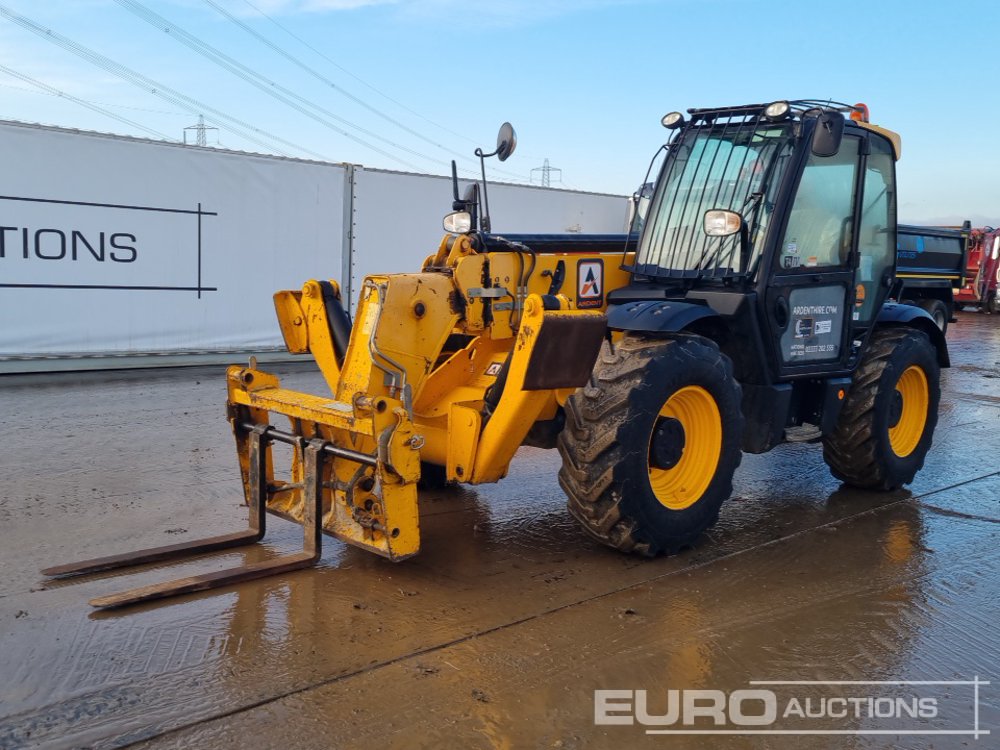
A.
pixel 735 166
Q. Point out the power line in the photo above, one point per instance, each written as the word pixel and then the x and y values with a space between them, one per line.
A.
pixel 244 129
pixel 269 87
pixel 239 127
pixel 319 76
pixel 312 71
pixel 83 103
pixel 344 70
pixel 91 101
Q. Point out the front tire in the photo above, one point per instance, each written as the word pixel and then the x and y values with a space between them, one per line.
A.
pixel 887 421
pixel 651 444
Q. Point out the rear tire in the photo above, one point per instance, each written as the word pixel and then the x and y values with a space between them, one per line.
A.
pixel 937 310
pixel 887 421
pixel 651 444
pixel 993 303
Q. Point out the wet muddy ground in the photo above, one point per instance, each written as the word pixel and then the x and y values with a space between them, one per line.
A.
pixel 500 632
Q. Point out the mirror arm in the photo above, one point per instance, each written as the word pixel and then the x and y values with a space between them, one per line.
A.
pixel 485 221
pixel 480 219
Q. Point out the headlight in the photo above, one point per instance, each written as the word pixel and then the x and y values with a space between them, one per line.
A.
pixel 458 222
pixel 672 120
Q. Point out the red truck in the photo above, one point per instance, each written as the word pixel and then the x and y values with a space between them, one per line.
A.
pixel 982 275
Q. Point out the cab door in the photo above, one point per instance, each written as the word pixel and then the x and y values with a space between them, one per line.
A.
pixel 810 296
pixel 873 275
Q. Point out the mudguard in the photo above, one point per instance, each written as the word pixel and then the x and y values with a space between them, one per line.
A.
pixel 896 314
pixel 656 316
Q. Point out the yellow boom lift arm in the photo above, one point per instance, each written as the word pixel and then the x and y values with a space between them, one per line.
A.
pixel 450 367
pixel 418 382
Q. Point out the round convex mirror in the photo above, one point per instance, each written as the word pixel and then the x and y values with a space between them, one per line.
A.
pixel 506 141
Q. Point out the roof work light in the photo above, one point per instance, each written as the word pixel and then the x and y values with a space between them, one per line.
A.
pixel 672 120
pixel 776 111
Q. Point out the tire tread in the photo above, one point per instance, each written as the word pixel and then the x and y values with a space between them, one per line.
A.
pixel 590 445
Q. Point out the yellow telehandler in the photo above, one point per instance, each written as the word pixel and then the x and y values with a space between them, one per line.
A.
pixel 750 311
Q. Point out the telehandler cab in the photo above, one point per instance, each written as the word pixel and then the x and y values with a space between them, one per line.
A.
pixel 750 311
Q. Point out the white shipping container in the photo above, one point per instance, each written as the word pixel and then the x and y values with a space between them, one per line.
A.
pixel 114 249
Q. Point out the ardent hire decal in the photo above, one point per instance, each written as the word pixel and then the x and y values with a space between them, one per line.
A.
pixel 590 284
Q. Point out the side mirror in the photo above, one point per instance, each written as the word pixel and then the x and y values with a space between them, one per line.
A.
pixel 506 141
pixel 828 134
pixel 721 223
pixel 639 207
pixel 458 222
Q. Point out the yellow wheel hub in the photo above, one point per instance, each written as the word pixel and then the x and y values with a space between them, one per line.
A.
pixel 913 390
pixel 683 484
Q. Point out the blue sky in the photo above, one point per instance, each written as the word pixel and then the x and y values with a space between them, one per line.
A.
pixel 416 82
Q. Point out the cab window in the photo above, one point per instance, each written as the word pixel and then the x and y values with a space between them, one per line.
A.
pixel 877 232
pixel 818 233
